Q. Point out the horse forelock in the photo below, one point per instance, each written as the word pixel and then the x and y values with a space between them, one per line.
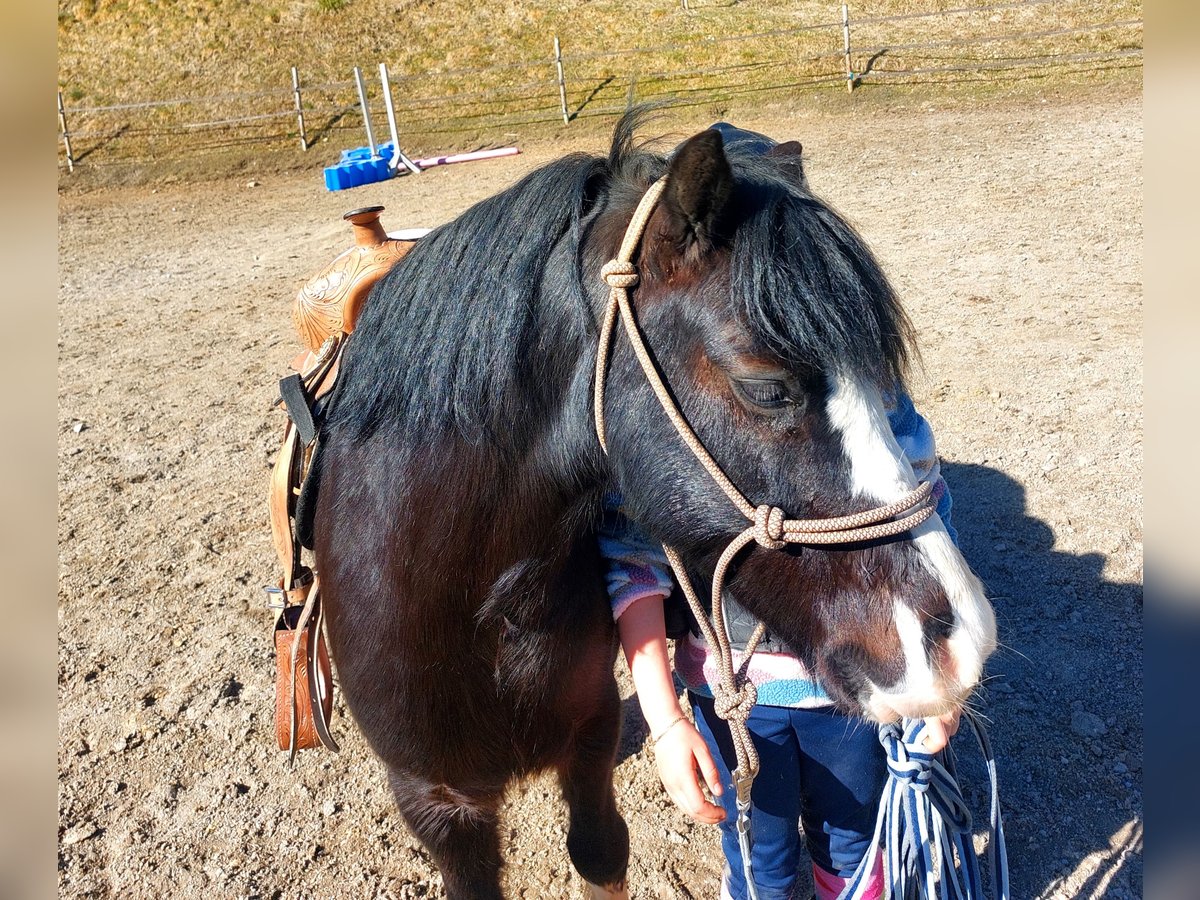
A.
pixel 807 285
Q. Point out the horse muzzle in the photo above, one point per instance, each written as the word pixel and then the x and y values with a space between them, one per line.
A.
pixel 940 673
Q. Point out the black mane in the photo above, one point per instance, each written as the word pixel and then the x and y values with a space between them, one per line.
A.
pixel 807 284
pixel 446 332
pixel 451 333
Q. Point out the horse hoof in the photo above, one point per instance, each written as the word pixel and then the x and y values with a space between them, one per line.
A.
pixel 616 891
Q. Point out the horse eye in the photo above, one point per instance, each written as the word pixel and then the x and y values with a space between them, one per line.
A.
pixel 763 393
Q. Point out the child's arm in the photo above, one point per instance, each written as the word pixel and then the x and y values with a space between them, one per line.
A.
pixel 679 751
pixel 639 580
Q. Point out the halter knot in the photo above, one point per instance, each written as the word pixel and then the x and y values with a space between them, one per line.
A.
pixel 734 706
pixel 768 527
pixel 619 273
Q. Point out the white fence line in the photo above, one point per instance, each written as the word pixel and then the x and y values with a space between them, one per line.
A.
pixel 456 110
pixel 1000 38
pixel 1027 62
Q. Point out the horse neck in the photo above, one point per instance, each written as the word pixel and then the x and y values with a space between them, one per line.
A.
pixel 526 497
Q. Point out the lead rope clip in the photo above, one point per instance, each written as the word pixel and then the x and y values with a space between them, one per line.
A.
pixel 743 781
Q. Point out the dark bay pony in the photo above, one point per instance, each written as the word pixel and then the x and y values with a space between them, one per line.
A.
pixel 460 480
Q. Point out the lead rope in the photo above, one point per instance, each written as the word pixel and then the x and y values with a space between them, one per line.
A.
pixel 734 694
pixel 925 824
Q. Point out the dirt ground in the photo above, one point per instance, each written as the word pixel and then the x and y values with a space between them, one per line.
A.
pixel 1014 234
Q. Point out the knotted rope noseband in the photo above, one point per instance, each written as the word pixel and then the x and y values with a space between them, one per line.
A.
pixel 734 694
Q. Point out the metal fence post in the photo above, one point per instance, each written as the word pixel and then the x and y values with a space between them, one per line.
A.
pixel 66 135
pixel 562 82
pixel 846 47
pixel 299 108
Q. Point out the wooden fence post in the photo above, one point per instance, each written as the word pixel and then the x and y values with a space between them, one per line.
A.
pixel 846 47
pixel 562 82
pixel 66 135
pixel 299 108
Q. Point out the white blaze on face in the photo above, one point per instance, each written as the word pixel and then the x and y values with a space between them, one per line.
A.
pixel 880 474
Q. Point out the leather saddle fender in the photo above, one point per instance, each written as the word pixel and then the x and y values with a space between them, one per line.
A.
pixel 325 312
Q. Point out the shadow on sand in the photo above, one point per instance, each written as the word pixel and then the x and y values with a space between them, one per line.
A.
pixel 1063 696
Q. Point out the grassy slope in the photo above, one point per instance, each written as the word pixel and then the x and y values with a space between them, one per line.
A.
pixel 116 51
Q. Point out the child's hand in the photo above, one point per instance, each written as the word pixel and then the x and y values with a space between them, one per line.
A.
pixel 679 753
pixel 938 730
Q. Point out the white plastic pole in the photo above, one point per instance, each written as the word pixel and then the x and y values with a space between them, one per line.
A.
pixel 430 161
pixel 398 158
pixel 846 48
pixel 562 81
pixel 66 135
pixel 299 108
pixel 362 102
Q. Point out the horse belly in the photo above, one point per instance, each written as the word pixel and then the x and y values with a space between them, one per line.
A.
pixel 478 704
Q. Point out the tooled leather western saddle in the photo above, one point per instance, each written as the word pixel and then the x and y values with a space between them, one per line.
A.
pixel 324 313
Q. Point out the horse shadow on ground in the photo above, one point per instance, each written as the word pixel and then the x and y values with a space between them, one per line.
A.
pixel 1063 695
pixel 1062 698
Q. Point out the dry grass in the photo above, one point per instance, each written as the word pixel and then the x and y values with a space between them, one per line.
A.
pixel 469 74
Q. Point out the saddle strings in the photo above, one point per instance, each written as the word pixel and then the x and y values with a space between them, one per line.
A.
pixel 734 694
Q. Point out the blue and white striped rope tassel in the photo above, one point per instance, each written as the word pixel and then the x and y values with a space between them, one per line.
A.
pixel 924 824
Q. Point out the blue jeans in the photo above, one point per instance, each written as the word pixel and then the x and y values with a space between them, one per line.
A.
pixel 820 771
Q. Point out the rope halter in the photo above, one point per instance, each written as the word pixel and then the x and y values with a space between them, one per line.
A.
pixel 922 804
pixel 769 526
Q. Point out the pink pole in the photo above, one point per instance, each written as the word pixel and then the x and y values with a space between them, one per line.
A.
pixel 430 161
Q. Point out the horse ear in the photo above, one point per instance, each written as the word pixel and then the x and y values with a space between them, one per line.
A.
pixel 699 184
pixel 787 155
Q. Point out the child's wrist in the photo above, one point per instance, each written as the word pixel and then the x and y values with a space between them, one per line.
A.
pixel 656 736
pixel 661 719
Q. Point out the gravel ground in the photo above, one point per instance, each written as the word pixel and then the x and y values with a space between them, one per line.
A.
pixel 1013 232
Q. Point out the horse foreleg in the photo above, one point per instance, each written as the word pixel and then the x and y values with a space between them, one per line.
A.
pixel 597 838
pixel 459 829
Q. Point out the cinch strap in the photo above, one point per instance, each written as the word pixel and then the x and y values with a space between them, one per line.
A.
pixel 296 401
